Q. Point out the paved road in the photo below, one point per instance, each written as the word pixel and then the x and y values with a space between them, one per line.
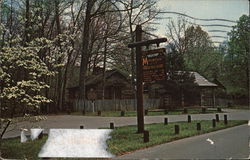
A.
pixel 229 143
pixel 69 121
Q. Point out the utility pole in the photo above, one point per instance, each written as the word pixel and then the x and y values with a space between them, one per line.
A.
pixel 139 73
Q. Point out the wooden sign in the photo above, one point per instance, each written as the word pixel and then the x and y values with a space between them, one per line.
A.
pixel 153 62
pixel 92 95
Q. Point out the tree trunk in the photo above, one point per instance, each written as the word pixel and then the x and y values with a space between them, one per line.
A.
pixel 60 74
pixel 104 70
pixel 27 22
pixel 248 79
pixel 85 49
pixel 132 53
pixel 65 76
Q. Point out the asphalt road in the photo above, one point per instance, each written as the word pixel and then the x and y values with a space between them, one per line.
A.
pixel 232 143
pixel 70 121
pixel 228 143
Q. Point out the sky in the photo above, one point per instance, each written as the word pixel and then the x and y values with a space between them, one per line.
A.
pixel 205 9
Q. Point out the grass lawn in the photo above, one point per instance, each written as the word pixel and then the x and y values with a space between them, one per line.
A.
pixel 238 107
pixel 125 139
pixel 13 149
pixel 150 113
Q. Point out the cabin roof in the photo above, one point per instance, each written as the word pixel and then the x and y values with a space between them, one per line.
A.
pixel 94 79
pixel 201 81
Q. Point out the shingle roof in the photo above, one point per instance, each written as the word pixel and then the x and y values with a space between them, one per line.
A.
pixel 94 79
pixel 201 81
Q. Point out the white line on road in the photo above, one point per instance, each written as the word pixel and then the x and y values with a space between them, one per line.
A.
pixel 211 142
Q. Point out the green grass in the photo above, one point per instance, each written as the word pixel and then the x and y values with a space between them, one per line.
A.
pixel 125 139
pixel 150 113
pixel 239 107
pixel 13 149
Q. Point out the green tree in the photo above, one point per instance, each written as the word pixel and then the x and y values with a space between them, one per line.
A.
pixel 236 58
pixel 201 55
pixel 22 75
pixel 180 82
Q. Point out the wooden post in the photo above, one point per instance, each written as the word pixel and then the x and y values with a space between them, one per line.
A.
pixel 112 126
pixel 99 113
pixel 182 97
pixel 214 123
pixel 213 98
pixel 83 112
pixel 139 75
pixel 201 97
pixel 165 121
pixel 176 129
pixel 217 118
pixel 139 86
pixel 225 119
pixel 189 118
pixel 146 136
pixel 198 126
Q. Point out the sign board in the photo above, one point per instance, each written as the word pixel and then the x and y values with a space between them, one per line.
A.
pixel 76 143
pixel 92 95
pixel 153 62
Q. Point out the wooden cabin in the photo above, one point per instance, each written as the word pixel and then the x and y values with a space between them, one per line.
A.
pixel 117 86
pixel 203 94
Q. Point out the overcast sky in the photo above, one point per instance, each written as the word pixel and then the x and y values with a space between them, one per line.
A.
pixel 210 9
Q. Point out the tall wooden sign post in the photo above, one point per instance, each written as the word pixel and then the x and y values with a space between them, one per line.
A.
pixel 139 73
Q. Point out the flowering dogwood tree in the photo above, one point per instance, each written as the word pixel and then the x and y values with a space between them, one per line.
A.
pixel 22 75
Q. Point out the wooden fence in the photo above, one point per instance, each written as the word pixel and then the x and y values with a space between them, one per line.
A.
pixel 224 102
pixel 114 105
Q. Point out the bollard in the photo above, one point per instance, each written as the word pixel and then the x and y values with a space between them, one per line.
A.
pixel 189 119
pixel 99 113
pixel 225 119
pixel 146 112
pixel 68 111
pixel 217 118
pixel 81 127
pixel 83 112
pixel 165 121
pixel 112 125
pixel 198 126
pixel 176 129
pixel 122 113
pixel 219 109
pixel 204 110
pixel 165 111
pixel 146 136
pixel 214 123
pixel 185 110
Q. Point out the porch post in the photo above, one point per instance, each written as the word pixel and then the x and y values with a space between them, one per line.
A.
pixel 213 98
pixel 201 97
